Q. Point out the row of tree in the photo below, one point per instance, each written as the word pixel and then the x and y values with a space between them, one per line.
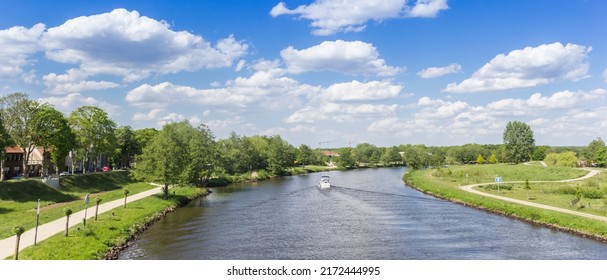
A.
pixel 186 154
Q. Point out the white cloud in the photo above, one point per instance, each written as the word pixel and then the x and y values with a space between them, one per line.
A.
pixel 536 102
pixel 356 91
pixel 68 103
pixel 151 115
pixel 262 89
pixel 350 57
pixel 435 72
pixel 340 112
pixel 131 46
pixel 73 81
pixel 170 118
pixel 17 44
pixel 240 65
pixel 529 67
pixel 329 17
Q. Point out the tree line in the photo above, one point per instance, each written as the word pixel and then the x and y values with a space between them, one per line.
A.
pixel 181 153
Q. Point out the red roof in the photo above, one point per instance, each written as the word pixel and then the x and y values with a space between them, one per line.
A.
pixel 13 150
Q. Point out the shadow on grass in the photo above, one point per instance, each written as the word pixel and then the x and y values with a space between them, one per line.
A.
pixel 31 190
pixel 5 210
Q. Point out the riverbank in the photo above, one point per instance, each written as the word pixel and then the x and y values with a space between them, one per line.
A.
pixel 105 237
pixel 439 183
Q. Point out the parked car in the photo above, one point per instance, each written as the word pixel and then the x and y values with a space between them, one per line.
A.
pixel 105 169
pixel 64 173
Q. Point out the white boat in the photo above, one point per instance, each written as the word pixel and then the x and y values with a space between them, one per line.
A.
pixel 325 182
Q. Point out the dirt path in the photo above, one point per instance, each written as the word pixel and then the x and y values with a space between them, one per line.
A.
pixel 469 188
pixel 7 245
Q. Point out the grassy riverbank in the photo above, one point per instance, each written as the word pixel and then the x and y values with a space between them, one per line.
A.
pixel 18 199
pixel 112 231
pixel 445 183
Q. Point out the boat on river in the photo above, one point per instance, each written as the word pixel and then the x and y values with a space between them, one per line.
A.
pixel 325 182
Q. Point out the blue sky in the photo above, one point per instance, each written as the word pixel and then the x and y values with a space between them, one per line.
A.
pixel 435 72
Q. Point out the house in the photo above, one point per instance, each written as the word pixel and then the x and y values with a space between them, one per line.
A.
pixel 13 165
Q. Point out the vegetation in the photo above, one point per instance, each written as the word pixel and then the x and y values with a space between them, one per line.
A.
pixel 519 142
pixel 5 141
pixel 98 238
pixel 18 231
pixel 444 182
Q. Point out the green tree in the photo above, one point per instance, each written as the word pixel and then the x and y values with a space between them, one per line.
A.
pixel 127 147
pixel 143 137
pixel 591 152
pixel 203 154
pixel 493 159
pixel 18 231
pixel 305 155
pixel 17 113
pixel 519 142
pixel 166 157
pixel 601 157
pixel 346 159
pixel 53 134
pixel 67 212
pixel 95 134
pixel 5 142
pixel 480 159
pixel 391 156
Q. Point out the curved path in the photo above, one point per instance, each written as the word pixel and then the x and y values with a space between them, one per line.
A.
pixel 469 188
pixel 7 245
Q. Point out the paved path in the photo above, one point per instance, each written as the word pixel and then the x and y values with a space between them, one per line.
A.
pixel 7 246
pixel 469 188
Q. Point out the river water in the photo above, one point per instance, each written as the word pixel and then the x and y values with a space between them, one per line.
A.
pixel 370 215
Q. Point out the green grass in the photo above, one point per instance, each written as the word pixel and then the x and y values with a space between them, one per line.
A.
pixel 98 237
pixel 443 183
pixel 18 199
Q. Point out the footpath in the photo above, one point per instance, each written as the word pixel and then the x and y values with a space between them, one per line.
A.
pixel 469 188
pixel 7 245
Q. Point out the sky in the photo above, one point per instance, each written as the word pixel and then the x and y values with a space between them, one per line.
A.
pixel 318 72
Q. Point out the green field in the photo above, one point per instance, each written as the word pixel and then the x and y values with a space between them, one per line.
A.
pixel 445 182
pixel 18 199
pixel 94 240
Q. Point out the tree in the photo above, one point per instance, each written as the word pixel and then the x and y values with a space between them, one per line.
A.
pixel 345 158
pixel 97 202
pixel 480 159
pixel 305 155
pixel 203 155
pixel 5 142
pixel 391 156
pixel 17 113
pixel 127 146
pixel 18 231
pixel 166 157
pixel 126 194
pixel 519 142
pixel 53 133
pixel 591 152
pixel 95 133
pixel 493 159
pixel 67 212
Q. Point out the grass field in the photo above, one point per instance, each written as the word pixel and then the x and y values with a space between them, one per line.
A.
pixel 94 240
pixel 445 182
pixel 18 199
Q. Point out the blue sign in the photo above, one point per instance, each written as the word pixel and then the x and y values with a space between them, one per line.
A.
pixel 498 179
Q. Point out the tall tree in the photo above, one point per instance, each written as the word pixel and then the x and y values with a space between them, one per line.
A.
pixel 518 141
pixel 203 155
pixel 127 146
pixel 54 134
pixel 166 157
pixel 305 155
pixel 5 142
pixel 17 113
pixel 95 133
pixel 591 152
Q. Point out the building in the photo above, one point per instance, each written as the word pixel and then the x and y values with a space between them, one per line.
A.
pixel 13 165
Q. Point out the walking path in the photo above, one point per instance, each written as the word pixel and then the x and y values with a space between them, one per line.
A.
pixel 469 188
pixel 7 246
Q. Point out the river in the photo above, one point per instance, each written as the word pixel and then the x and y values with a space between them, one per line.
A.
pixel 370 214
